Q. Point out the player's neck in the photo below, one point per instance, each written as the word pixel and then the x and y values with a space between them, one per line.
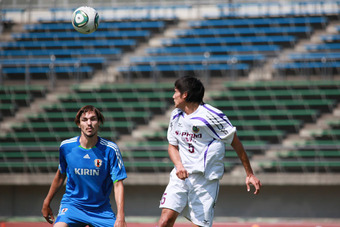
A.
pixel 88 142
pixel 190 108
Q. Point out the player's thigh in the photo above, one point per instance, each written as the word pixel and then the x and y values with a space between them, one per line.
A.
pixel 104 217
pixel 201 202
pixel 175 196
pixel 60 224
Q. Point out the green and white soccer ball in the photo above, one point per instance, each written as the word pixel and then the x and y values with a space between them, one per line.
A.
pixel 85 19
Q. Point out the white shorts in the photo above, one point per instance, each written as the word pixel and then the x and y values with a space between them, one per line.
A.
pixel 194 197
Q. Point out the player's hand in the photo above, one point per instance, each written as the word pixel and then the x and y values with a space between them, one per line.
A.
pixel 48 214
pixel 182 173
pixel 120 223
pixel 251 179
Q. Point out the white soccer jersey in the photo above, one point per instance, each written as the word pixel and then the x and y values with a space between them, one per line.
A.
pixel 201 138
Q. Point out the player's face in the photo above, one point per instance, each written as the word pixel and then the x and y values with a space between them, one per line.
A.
pixel 89 124
pixel 179 99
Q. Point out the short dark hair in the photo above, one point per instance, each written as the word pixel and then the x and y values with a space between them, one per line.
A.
pixel 193 86
pixel 88 108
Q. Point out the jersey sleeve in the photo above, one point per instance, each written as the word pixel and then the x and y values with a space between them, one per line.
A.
pixel 222 129
pixel 117 168
pixel 218 125
pixel 62 161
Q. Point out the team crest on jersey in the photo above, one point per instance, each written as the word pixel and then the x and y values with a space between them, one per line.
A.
pixel 98 163
pixel 195 129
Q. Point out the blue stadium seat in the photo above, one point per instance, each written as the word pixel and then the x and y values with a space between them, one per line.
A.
pixel 248 22
pixel 47 61
pixel 40 68
pixel 319 56
pixel 173 70
pixel 323 47
pixel 36 70
pixel 73 35
pixel 257 31
pixel 212 49
pixel 111 52
pixel 184 59
pixel 299 65
pixel 308 68
pixel 62 26
pixel 173 67
pixel 122 43
pixel 330 38
pixel 283 40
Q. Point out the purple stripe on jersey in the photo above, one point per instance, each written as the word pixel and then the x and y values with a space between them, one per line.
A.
pixel 221 115
pixel 207 124
pixel 177 115
pixel 206 152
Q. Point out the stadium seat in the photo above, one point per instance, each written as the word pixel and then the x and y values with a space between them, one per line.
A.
pixel 301 166
pixel 194 59
pixel 107 35
pixel 112 53
pixel 125 44
pixel 252 22
pixel 19 73
pixel 285 40
pixel 12 98
pixel 329 47
pixel 104 25
pixel 214 50
pixel 18 99
pixel 174 69
pixel 300 31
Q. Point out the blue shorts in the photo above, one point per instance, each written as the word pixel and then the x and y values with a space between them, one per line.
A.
pixel 75 217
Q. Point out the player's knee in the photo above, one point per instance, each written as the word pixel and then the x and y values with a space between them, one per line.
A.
pixel 166 222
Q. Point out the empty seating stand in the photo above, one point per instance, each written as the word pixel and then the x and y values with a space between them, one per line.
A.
pixel 107 35
pixel 318 59
pixel 198 47
pixel 124 106
pixel 43 68
pixel 300 31
pixel 272 110
pixel 258 22
pixel 14 97
pixel 214 50
pixel 269 111
pixel 253 40
pixel 76 55
pixel 106 25
pixel 111 53
pixel 318 156
pixel 172 64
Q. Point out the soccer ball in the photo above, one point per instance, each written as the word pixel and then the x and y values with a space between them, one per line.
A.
pixel 85 19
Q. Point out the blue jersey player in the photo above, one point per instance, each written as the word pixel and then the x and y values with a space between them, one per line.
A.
pixel 92 166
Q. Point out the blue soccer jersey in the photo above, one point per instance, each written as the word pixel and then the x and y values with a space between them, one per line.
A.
pixel 90 172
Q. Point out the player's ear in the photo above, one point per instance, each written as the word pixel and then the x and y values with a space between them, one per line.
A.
pixel 185 95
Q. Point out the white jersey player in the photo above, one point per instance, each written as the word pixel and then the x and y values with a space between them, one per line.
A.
pixel 197 135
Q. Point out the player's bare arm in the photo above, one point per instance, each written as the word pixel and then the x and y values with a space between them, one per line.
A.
pixel 251 178
pixel 181 172
pixel 119 197
pixel 57 182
